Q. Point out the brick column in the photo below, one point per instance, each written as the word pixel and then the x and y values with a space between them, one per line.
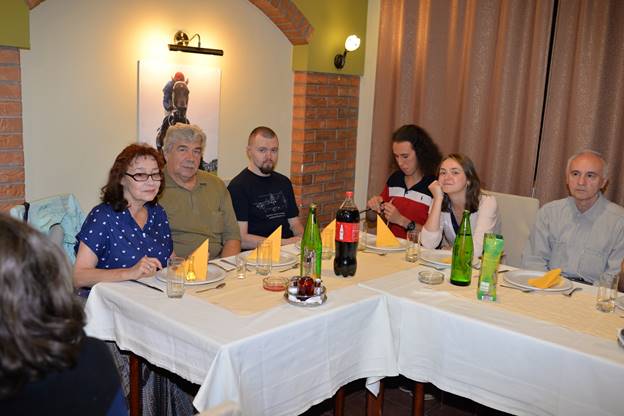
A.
pixel 325 115
pixel 11 148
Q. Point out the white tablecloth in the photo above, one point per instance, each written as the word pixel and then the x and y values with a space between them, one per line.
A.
pixel 504 360
pixel 287 358
pixel 279 362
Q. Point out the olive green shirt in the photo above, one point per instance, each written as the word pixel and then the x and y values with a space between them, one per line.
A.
pixel 204 212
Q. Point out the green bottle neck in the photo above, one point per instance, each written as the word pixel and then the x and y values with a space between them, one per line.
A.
pixel 464 227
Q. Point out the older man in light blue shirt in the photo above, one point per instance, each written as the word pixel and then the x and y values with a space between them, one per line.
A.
pixel 582 234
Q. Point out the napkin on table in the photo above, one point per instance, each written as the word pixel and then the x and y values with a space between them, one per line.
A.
pixel 276 238
pixel 200 262
pixel 549 279
pixel 328 235
pixel 385 238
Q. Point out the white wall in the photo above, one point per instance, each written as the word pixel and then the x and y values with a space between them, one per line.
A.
pixel 367 96
pixel 79 83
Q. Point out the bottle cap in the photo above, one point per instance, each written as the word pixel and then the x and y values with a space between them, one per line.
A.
pixel 349 194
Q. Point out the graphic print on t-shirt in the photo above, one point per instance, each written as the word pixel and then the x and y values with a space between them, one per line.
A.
pixel 272 205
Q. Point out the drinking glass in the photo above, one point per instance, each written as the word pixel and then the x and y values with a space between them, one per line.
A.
pixel 241 266
pixel 264 258
pixel 606 291
pixel 363 234
pixel 412 252
pixel 176 276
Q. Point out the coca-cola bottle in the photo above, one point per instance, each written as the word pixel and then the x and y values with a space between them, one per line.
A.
pixel 347 235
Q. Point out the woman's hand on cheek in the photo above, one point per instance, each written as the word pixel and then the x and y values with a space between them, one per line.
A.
pixel 436 190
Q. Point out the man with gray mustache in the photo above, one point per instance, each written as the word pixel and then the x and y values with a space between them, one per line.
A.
pixel 197 203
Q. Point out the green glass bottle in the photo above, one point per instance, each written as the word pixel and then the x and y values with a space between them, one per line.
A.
pixel 461 268
pixel 311 247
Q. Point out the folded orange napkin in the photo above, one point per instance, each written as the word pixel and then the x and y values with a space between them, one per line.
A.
pixel 549 279
pixel 199 271
pixel 276 238
pixel 328 235
pixel 385 238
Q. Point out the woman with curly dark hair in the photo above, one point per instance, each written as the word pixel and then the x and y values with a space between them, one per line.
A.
pixel 47 364
pixel 458 188
pixel 127 236
pixel 406 198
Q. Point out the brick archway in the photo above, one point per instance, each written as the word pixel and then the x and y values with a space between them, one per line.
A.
pixel 283 13
pixel 288 18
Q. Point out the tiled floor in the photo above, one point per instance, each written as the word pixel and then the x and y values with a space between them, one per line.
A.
pixel 398 402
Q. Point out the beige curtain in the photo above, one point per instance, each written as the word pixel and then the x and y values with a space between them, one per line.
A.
pixel 585 105
pixel 472 73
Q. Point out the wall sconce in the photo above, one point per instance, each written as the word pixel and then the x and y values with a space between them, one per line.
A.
pixel 181 41
pixel 351 44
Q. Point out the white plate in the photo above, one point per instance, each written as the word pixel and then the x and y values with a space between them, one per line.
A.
pixel 370 244
pixel 436 257
pixel 521 278
pixel 286 260
pixel 619 302
pixel 215 274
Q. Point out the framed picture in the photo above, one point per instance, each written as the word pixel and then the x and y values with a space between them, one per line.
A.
pixel 170 93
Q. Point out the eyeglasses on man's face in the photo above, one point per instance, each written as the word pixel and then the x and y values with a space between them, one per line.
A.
pixel 142 177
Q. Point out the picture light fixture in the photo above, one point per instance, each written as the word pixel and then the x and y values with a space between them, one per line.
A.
pixel 181 41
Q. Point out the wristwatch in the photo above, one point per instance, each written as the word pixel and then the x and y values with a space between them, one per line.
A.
pixel 411 226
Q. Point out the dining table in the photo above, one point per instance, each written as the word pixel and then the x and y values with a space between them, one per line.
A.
pixel 247 345
pixel 527 353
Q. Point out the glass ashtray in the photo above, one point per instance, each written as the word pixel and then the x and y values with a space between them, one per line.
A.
pixel 317 299
pixel 275 283
pixel 430 277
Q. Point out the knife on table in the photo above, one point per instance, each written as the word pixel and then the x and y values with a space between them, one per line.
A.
pixel 148 285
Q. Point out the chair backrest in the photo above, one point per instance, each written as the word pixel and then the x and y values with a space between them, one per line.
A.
pixel 517 215
pixel 59 217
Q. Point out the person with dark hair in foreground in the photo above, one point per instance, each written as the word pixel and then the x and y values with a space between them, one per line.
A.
pixel 406 198
pixel 47 364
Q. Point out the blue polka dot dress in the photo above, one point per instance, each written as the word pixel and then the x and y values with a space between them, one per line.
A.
pixel 119 242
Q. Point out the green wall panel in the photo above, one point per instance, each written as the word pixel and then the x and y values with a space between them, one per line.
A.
pixel 14 24
pixel 333 21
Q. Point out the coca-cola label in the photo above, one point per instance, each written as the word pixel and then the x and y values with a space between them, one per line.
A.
pixel 347 232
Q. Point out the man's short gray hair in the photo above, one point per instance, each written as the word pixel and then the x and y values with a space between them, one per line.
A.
pixel 605 165
pixel 183 132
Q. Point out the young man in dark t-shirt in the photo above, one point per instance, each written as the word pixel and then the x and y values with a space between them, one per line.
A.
pixel 264 199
